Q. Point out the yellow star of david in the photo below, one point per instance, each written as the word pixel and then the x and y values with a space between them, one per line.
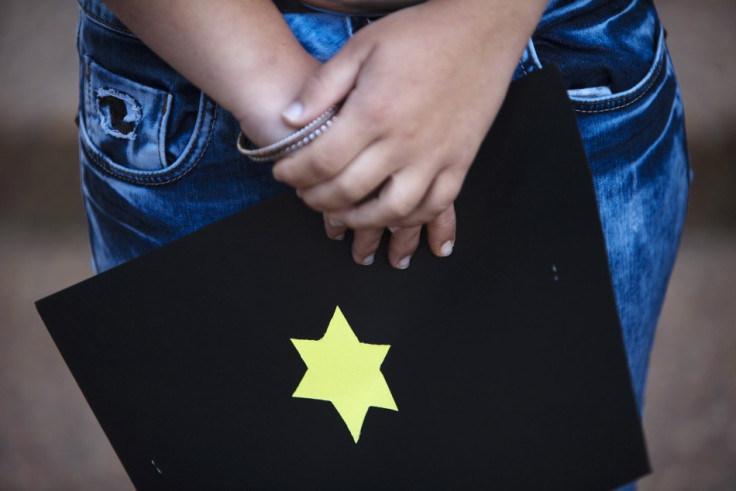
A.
pixel 345 372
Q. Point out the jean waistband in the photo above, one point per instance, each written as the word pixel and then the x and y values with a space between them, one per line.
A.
pixel 100 13
pixel 97 10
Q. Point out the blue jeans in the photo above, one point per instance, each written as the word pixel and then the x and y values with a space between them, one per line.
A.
pixel 158 157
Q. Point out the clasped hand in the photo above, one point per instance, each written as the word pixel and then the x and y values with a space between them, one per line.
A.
pixel 419 90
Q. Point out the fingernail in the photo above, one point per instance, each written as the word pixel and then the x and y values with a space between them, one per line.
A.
pixel 393 230
pixel 404 263
pixel 368 260
pixel 293 111
pixel 339 237
pixel 299 193
pixel 446 248
pixel 336 223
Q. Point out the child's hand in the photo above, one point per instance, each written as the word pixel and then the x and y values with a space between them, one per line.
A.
pixel 420 88
pixel 403 242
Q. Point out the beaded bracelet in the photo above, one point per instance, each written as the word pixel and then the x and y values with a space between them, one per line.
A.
pixel 291 143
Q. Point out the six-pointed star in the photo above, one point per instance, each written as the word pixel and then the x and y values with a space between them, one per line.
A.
pixel 345 372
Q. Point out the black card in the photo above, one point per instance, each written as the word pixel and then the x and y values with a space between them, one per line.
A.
pixel 209 363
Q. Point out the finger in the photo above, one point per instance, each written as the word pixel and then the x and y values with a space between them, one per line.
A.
pixel 401 246
pixel 334 230
pixel 441 232
pixel 397 199
pixel 362 177
pixel 327 86
pixel 365 244
pixel 439 197
pixel 328 154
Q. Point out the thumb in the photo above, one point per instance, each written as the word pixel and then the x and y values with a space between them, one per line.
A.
pixel 329 85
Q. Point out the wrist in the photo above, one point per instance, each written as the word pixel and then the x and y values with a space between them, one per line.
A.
pixel 259 110
pixel 290 144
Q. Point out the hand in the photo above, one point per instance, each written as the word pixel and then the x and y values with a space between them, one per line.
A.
pixel 420 87
pixel 403 241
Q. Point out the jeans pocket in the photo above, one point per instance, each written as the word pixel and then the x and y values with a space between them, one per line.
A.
pixel 599 99
pixel 138 133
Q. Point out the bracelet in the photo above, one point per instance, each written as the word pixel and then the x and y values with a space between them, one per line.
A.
pixel 291 143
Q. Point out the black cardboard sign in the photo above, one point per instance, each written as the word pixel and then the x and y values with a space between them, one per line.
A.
pixel 506 362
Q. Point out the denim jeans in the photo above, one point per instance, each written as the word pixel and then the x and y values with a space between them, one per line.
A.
pixel 158 157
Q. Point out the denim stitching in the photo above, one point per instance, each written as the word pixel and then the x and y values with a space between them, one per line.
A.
pixel 87 87
pixel 651 81
pixel 644 91
pixel 521 65
pixel 201 154
pixel 79 36
pixel 154 179
pixel 613 103
pixel 101 21
pixel 162 130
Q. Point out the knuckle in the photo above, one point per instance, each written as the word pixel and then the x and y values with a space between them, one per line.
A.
pixel 314 203
pixel 348 192
pixel 323 164
pixel 438 207
pixel 443 196
pixel 379 113
pixel 403 198
pixel 399 207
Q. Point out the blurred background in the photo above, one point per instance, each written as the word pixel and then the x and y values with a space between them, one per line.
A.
pixel 49 438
